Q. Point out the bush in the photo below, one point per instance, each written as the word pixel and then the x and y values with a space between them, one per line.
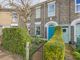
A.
pixel 76 55
pixel 54 48
pixel 78 45
pixel 36 42
pixel 14 40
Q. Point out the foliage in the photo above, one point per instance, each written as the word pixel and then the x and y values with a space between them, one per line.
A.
pixel 76 55
pixel 36 42
pixel 54 48
pixel 14 40
pixel 78 44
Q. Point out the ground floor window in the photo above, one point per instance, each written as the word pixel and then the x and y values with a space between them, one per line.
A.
pixel 37 29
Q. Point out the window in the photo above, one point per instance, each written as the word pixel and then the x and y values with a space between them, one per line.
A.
pixel 38 12
pixel 51 9
pixel 37 29
pixel 77 6
pixel 64 30
pixel 28 27
pixel 14 17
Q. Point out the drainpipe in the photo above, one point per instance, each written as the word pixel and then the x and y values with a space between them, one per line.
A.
pixel 69 22
pixel 69 11
pixel 70 27
pixel 59 10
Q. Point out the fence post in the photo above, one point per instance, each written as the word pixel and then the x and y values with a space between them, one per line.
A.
pixel 27 50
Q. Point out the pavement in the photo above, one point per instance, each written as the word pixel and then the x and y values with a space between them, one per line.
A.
pixel 6 56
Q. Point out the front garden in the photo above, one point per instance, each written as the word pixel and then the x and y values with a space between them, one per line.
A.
pixel 14 41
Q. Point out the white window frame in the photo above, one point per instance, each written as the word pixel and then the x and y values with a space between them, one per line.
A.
pixel 38 8
pixel 52 3
pixel 76 7
pixel 37 24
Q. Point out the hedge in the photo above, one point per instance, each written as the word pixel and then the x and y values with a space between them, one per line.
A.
pixel 76 55
pixel 14 40
pixel 54 49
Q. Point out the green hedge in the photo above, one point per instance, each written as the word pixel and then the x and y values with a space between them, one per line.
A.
pixel 14 40
pixel 54 48
pixel 76 55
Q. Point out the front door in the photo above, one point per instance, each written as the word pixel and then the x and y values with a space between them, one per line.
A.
pixel 65 34
pixel 78 32
pixel 51 31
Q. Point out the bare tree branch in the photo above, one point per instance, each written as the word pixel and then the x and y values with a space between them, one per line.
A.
pixel 22 8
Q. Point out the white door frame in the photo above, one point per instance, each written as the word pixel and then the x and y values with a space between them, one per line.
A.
pixel 48 23
pixel 74 22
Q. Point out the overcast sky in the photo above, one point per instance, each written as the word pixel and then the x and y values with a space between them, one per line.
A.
pixel 38 1
pixel 33 1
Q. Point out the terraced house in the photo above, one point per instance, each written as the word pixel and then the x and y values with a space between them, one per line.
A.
pixel 8 18
pixel 48 14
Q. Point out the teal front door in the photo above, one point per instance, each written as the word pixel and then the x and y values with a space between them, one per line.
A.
pixel 51 31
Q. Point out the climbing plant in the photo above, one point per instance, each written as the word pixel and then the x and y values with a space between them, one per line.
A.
pixel 54 49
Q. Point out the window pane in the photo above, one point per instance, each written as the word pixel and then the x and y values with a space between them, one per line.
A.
pixel 37 30
pixel 14 17
pixel 78 1
pixel 51 9
pixel 38 13
pixel 78 8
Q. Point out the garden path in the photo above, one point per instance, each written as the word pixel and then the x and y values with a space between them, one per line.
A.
pixel 68 53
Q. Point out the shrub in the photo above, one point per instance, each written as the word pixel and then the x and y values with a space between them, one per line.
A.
pixel 14 40
pixel 76 55
pixel 54 48
pixel 36 42
pixel 78 44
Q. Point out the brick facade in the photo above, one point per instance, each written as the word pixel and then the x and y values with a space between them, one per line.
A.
pixel 64 15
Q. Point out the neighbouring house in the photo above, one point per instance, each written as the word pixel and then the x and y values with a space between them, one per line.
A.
pixel 8 18
pixel 51 13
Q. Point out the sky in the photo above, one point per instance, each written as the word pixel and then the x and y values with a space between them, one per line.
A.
pixel 33 1
pixel 38 1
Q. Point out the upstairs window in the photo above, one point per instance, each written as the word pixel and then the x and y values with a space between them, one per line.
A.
pixel 51 9
pixel 38 12
pixel 14 17
pixel 77 6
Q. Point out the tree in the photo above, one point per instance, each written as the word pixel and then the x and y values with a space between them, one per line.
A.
pixel 23 10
